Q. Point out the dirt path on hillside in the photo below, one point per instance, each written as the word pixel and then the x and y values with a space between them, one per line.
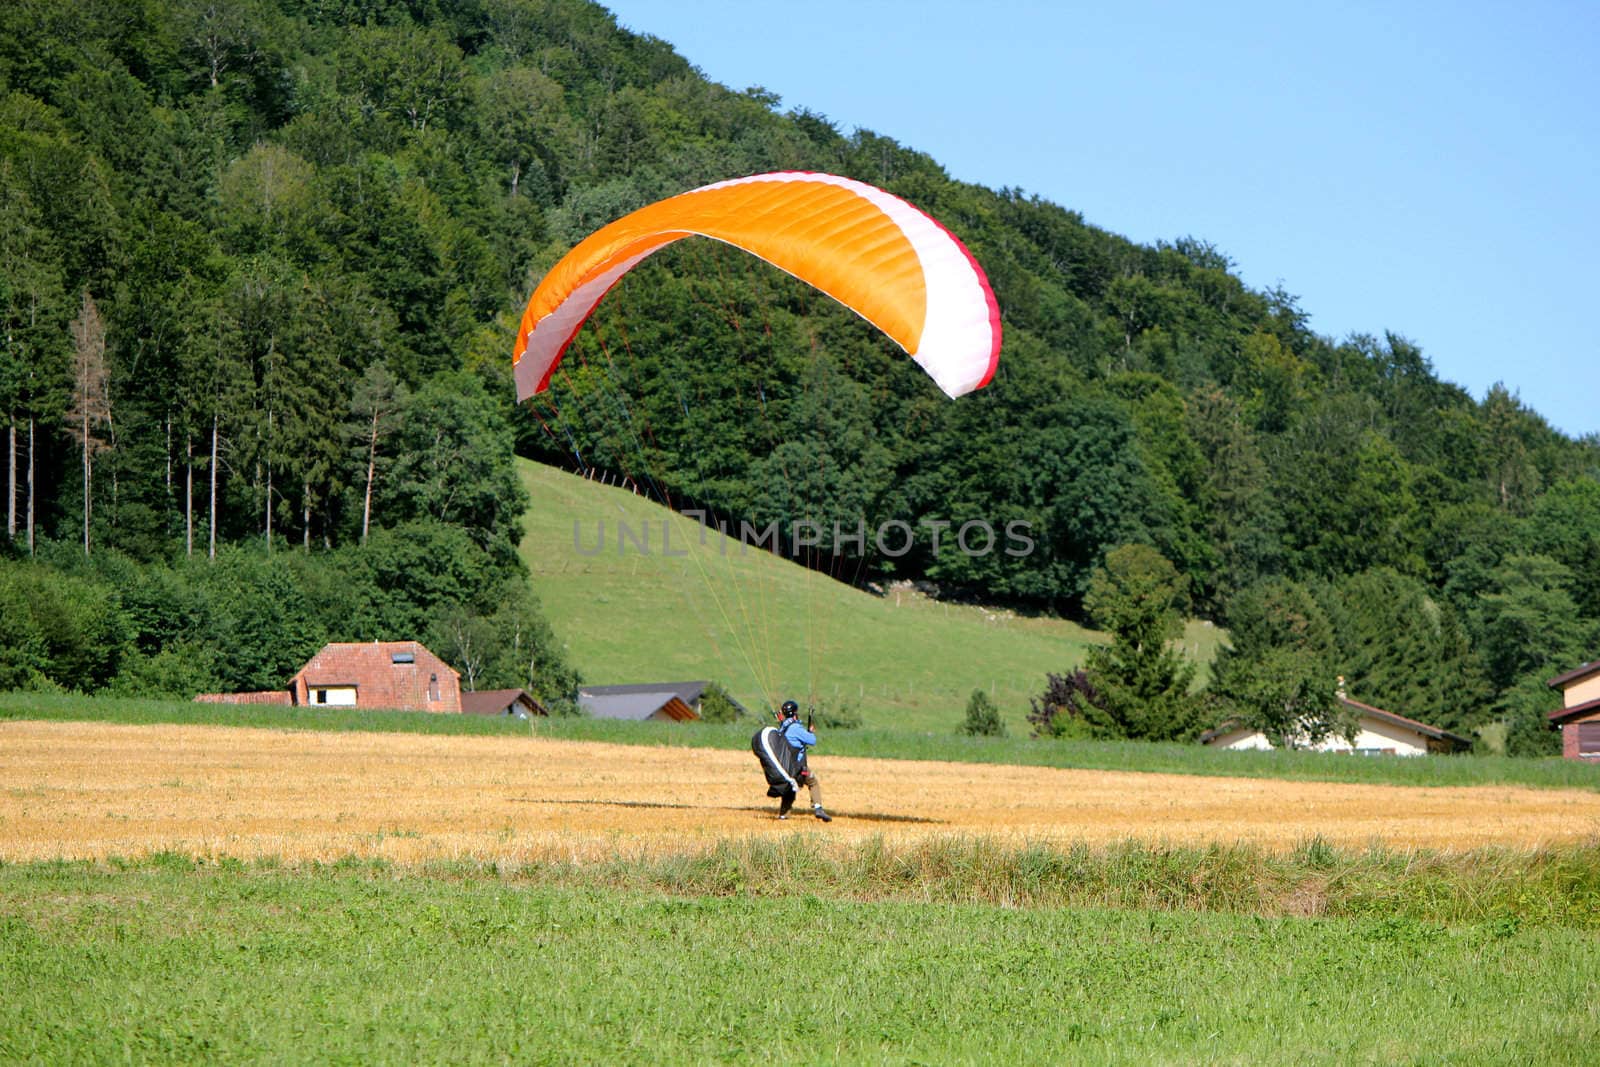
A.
pixel 91 790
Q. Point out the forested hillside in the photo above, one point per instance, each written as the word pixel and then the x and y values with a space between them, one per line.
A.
pixel 262 267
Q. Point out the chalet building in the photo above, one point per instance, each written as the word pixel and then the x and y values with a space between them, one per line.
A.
pixel 516 703
pixel 658 701
pixel 1579 717
pixel 397 675
pixel 1378 733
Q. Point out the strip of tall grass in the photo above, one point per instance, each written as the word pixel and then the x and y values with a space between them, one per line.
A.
pixel 166 961
pixel 1164 758
pixel 1547 887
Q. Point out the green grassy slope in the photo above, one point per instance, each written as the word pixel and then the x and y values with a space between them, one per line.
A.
pixel 765 627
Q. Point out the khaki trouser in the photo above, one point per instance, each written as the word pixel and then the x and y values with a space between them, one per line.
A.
pixel 815 787
pixel 809 777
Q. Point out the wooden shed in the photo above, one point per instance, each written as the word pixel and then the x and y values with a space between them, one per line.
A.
pixel 516 703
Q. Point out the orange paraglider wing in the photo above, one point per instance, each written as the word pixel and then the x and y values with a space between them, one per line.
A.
pixel 874 253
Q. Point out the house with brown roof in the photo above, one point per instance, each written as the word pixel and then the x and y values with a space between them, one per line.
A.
pixel 1378 733
pixel 517 703
pixel 1579 716
pixel 400 675
pixel 395 675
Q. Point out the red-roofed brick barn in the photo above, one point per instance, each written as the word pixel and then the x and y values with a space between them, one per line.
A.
pixel 378 674
pixel 400 675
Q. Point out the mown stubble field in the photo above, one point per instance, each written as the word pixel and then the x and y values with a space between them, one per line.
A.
pixel 93 790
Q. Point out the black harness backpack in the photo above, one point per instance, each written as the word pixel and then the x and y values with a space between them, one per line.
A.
pixel 780 761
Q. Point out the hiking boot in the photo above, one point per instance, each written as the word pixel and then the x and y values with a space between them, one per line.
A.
pixel 819 813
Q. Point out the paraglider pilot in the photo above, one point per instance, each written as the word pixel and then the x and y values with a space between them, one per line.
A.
pixel 782 752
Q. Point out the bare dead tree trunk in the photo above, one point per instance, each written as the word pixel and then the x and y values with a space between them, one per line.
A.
pixel 11 482
pixel 30 485
pixel 268 501
pixel 268 463
pixel 11 470
pixel 305 515
pixel 188 495
pixel 467 655
pixel 111 431
pixel 87 452
pixel 533 656
pixel 372 468
pixel 378 398
pixel 91 402
pixel 211 552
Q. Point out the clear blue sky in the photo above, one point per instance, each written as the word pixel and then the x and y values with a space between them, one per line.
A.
pixel 1427 169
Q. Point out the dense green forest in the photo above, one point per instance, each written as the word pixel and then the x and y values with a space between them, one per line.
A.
pixel 263 261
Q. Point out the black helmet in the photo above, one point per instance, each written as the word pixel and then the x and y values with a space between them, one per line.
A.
pixel 790 708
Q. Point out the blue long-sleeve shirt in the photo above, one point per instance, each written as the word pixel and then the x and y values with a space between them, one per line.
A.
pixel 799 738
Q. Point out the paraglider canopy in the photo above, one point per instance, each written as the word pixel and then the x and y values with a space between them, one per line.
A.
pixel 887 261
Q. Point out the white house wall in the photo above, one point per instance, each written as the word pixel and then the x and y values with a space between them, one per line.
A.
pixel 1373 733
pixel 1241 740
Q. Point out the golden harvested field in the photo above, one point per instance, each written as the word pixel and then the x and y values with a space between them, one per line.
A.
pixel 92 790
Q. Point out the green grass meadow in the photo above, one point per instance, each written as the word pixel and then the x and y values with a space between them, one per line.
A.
pixel 765 627
pixel 169 961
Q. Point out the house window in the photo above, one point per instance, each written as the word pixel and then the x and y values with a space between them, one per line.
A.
pixel 433 687
pixel 1589 738
pixel 402 657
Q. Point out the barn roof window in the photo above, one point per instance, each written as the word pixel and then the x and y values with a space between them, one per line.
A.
pixel 402 657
